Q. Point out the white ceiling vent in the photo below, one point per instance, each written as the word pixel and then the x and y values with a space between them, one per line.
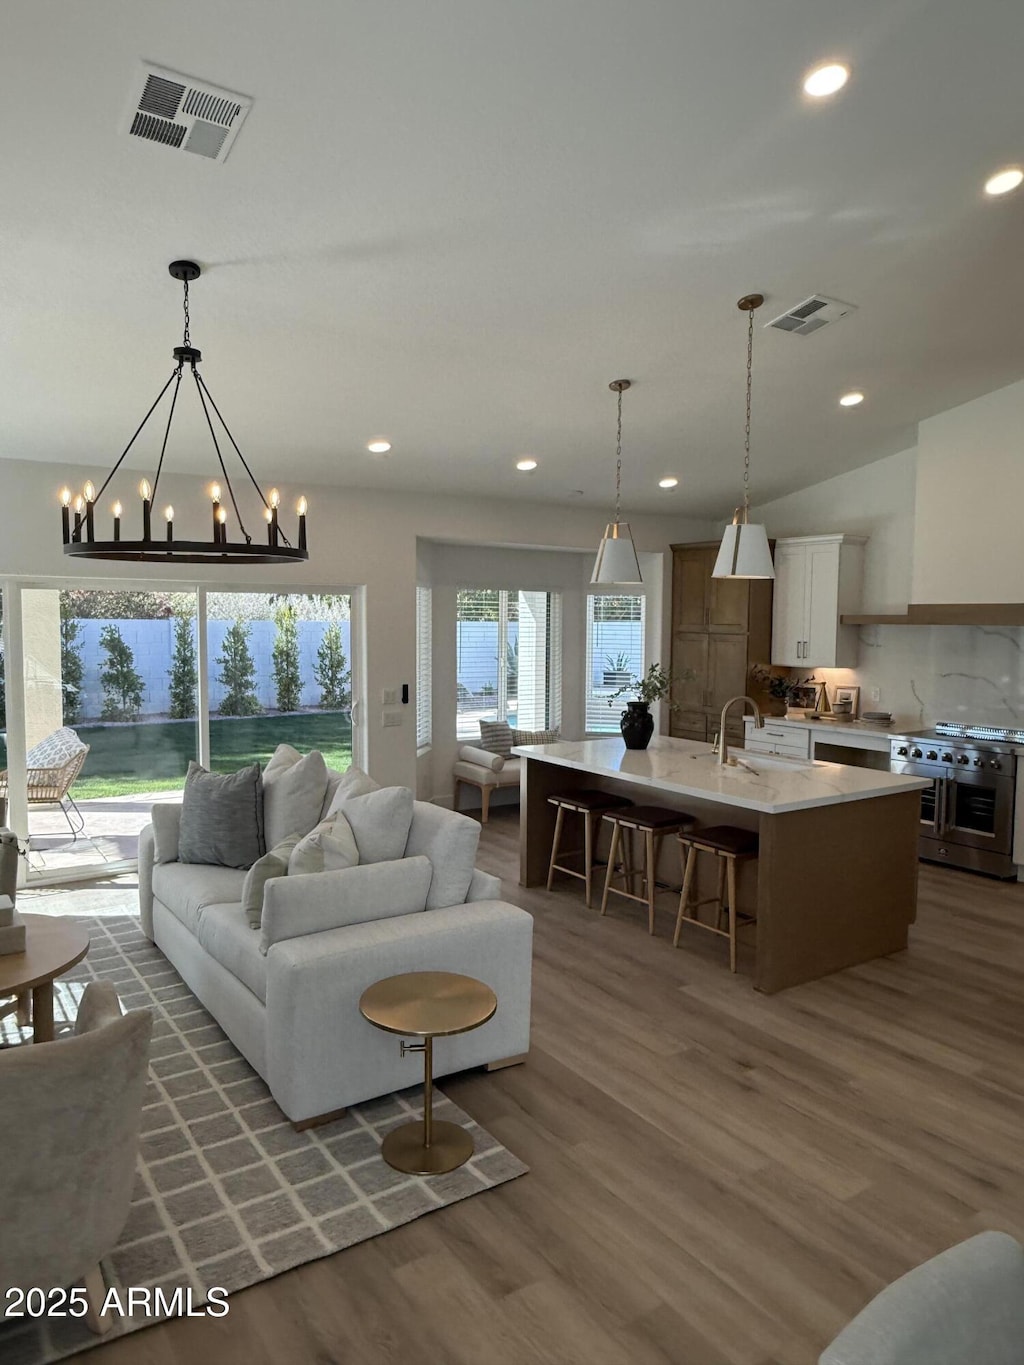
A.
pixel 811 315
pixel 184 114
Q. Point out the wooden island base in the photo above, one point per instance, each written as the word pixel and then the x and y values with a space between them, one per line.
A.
pixel 833 885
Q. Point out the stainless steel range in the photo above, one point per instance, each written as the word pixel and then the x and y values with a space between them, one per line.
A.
pixel 967 813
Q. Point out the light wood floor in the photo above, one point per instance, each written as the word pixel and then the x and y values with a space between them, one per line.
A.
pixel 716 1176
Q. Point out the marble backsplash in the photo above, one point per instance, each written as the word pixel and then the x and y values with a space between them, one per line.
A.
pixel 972 674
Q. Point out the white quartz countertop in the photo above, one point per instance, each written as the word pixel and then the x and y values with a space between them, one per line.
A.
pixel 824 728
pixel 685 768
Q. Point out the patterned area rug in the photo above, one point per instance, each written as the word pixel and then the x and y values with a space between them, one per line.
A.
pixel 227 1193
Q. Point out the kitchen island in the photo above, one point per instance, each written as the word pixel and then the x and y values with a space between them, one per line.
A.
pixel 835 881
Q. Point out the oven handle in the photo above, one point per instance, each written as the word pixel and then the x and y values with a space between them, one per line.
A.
pixel 942 804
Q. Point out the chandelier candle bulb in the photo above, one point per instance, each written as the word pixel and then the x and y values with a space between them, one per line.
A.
pixel 222 517
pixel 302 506
pixel 90 497
pixel 65 513
pixel 145 492
pixel 117 520
pixel 268 519
pixel 275 502
pixel 79 504
pixel 215 495
pixel 169 514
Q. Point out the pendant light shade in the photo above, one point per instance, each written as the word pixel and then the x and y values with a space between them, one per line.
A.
pixel 744 552
pixel 617 560
pixel 616 556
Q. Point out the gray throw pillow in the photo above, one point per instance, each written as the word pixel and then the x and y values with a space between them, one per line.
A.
pixel 496 737
pixel 222 817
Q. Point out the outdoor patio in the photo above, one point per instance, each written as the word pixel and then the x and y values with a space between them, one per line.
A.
pixel 110 834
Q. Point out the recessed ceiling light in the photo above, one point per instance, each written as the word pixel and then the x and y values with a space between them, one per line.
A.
pixel 526 464
pixel 826 80
pixel 1004 181
pixel 378 447
pixel 670 482
pixel 850 400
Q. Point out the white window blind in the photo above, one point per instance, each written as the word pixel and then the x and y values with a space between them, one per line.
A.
pixel 615 653
pixel 423 666
pixel 508 659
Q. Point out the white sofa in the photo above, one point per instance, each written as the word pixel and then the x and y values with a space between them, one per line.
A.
pixel 287 995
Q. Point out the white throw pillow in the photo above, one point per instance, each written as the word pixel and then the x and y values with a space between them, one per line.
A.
pixel 273 864
pixel 294 785
pixel 381 821
pixel 341 787
pixel 166 818
pixel 328 848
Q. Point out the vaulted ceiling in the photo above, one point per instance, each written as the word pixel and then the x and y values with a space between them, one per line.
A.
pixel 453 224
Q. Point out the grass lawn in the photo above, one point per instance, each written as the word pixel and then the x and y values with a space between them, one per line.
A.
pixel 153 755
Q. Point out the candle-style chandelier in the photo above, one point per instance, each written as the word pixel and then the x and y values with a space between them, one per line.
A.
pixel 78 515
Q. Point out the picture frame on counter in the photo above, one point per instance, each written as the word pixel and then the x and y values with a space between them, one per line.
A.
pixel 849 694
pixel 808 697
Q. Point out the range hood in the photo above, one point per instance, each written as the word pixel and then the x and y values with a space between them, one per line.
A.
pixel 946 614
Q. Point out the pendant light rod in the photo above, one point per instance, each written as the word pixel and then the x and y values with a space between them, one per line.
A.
pixel 617 560
pixel 745 552
pixel 618 386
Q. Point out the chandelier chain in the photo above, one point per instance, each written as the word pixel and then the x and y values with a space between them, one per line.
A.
pixel 746 434
pixel 187 338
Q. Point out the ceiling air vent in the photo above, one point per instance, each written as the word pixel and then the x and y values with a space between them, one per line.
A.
pixel 811 315
pixel 184 114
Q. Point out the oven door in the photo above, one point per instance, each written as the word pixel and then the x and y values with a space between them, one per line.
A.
pixel 933 797
pixel 977 811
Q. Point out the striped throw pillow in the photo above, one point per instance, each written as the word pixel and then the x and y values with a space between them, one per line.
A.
pixel 496 737
pixel 535 736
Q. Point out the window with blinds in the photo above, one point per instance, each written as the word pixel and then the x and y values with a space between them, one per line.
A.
pixel 615 653
pixel 508 659
pixel 423 667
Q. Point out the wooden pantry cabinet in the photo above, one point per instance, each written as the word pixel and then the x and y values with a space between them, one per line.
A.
pixel 720 627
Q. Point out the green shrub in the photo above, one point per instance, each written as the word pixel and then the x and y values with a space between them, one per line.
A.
pixel 286 660
pixel 122 685
pixel 332 674
pixel 238 673
pixel 182 672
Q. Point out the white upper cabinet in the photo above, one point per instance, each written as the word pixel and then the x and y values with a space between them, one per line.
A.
pixel 817 579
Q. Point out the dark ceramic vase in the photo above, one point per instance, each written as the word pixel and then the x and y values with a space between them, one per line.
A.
pixel 637 725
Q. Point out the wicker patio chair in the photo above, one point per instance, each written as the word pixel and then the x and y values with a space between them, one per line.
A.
pixel 53 765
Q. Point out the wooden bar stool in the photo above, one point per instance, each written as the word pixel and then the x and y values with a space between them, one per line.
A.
pixel 730 846
pixel 653 822
pixel 591 805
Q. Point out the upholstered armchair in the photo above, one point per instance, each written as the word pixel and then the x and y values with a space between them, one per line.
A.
pixel 69 1137
pixel 963 1307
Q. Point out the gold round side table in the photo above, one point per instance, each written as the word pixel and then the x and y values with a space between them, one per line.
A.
pixel 427 1005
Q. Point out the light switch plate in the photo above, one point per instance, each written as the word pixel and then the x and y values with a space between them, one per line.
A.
pixel 388 718
pixel 389 696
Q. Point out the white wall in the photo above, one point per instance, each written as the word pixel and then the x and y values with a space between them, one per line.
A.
pixel 970 494
pixel 359 539
pixel 876 501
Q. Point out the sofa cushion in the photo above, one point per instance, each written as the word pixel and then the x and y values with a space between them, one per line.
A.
pixel 274 863
pixel 506 776
pixel 296 906
pixel 166 819
pixel 450 842
pixel 496 736
pixel 222 817
pixel 187 888
pixel 225 933
pixel 341 787
pixel 380 822
pixel 327 848
pixel 294 786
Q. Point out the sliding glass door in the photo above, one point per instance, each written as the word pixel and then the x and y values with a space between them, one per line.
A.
pixel 108 694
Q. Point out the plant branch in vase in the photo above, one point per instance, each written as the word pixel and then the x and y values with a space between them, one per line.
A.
pixel 636 722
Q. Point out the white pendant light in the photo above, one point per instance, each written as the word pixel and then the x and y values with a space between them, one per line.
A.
pixel 744 552
pixel 617 560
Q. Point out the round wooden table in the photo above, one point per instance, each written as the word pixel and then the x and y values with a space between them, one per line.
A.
pixel 53 945
pixel 427 1005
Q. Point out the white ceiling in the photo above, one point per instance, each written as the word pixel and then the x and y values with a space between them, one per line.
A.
pixel 454 223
